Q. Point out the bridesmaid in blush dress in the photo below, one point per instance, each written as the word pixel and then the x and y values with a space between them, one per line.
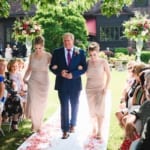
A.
pixel 37 79
pixel 98 78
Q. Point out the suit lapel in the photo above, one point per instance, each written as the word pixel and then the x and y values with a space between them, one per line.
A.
pixel 73 57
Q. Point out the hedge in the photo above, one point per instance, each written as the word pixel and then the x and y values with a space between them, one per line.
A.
pixel 145 56
pixel 121 50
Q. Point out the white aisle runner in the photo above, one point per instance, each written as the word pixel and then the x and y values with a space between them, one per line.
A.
pixel 50 136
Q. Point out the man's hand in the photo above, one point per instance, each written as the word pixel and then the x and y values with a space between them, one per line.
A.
pixel 69 76
pixel 66 75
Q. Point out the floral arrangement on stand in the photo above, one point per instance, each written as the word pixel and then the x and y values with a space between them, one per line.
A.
pixel 26 28
pixel 137 27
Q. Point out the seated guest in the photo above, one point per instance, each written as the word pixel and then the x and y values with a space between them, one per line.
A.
pixel 144 111
pixel 143 143
pixel 21 66
pixel 129 81
pixel 12 106
pixel 134 96
pixel 124 96
pixel 23 94
pixel 2 86
pixel 16 76
pixel 129 138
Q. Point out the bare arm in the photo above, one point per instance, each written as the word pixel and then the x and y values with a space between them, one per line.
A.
pixel 108 76
pixel 28 72
pixel 2 88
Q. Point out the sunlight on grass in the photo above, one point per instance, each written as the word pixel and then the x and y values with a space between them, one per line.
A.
pixel 10 140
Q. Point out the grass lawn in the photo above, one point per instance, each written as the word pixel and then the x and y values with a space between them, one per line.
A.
pixel 116 86
pixel 12 140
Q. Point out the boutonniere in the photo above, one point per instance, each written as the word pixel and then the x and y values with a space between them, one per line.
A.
pixel 80 67
pixel 54 67
pixel 76 51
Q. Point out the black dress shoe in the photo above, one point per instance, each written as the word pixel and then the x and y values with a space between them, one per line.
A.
pixel 65 135
pixel 72 129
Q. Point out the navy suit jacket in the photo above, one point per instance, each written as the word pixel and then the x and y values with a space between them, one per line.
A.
pixel 59 60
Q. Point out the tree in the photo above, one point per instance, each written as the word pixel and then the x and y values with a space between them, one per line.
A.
pixel 58 20
pixel 4 8
pixel 114 7
pixel 108 7
pixel 42 4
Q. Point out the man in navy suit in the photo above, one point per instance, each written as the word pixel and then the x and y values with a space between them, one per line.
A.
pixel 68 64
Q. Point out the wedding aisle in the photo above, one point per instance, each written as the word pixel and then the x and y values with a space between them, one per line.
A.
pixel 50 136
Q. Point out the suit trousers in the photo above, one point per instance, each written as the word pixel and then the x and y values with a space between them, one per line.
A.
pixel 69 103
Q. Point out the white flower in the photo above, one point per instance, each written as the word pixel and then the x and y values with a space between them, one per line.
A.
pixel 32 30
pixel 77 52
pixel 24 32
pixel 144 32
pixel 37 27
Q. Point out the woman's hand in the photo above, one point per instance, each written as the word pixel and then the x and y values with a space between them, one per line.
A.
pixel 25 81
pixel 22 93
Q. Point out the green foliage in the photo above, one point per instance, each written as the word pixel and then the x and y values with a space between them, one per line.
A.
pixel 119 55
pixel 103 55
pixel 4 8
pixel 113 7
pixel 145 56
pixel 80 5
pixel 57 20
pixel 42 4
pixel 121 50
pixel 108 7
pixel 26 4
pixel 123 56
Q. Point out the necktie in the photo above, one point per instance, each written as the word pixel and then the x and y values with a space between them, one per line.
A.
pixel 68 57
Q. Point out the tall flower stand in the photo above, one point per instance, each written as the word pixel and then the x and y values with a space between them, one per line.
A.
pixel 28 44
pixel 139 46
